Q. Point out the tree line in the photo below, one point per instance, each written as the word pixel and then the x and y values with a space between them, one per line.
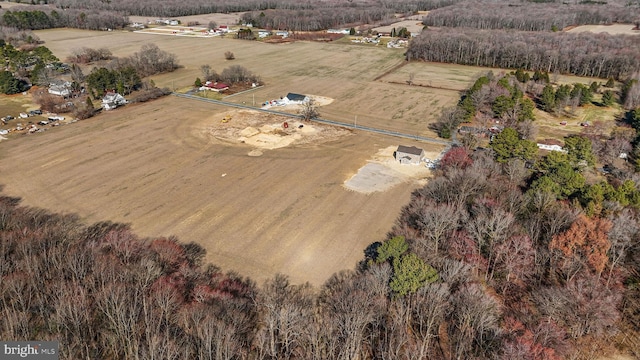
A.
pixel 315 19
pixel 194 7
pixel 594 55
pixel 34 18
pixel 527 16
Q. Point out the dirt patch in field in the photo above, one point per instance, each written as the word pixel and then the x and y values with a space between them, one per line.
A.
pixel 267 131
pixel 414 26
pixel 203 19
pixel 615 29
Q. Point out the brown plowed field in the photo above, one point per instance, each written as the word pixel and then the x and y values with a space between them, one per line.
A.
pixel 160 167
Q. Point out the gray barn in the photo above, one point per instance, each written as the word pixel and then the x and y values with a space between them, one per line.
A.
pixel 409 155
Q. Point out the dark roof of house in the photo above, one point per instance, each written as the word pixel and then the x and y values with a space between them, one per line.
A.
pixel 409 150
pixel 295 97
pixel 218 86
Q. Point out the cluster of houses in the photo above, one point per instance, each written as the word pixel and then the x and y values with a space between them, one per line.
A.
pixel 266 33
pixel 367 40
pixel 110 101
pixel 397 43
pixel 338 31
pixel 172 22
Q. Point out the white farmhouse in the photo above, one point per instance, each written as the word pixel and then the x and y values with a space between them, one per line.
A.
pixel 112 101
pixel 60 88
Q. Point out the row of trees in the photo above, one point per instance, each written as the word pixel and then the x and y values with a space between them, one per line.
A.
pixel 87 55
pixel 18 37
pixel 316 19
pixel 596 55
pixel 527 16
pixel 125 74
pixel 193 7
pixel 234 74
pixel 34 18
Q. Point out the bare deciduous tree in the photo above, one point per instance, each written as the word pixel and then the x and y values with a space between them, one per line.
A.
pixel 309 109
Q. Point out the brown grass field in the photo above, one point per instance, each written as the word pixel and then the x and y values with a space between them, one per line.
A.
pixel 343 72
pixel 156 166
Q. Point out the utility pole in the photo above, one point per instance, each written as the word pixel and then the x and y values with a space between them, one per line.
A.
pixel 355 122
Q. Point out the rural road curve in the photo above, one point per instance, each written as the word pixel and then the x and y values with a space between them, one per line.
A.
pixel 320 120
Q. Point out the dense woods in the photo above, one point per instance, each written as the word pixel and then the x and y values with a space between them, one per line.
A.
pixel 280 14
pixel 525 16
pixel 583 54
pixel 35 18
pixel 192 7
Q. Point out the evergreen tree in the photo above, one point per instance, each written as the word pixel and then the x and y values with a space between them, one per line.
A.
pixel 508 145
pixel 548 98
pixel 410 273
pixel 608 98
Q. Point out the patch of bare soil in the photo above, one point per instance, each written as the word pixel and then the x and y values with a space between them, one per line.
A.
pixel 614 29
pixel 267 131
pixel 203 19
pixel 383 172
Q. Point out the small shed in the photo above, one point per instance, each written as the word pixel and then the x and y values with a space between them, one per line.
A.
pixel 409 155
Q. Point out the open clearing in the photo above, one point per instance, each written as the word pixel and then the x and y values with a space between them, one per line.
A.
pixel 614 29
pixel 414 26
pixel 171 167
pixel 203 19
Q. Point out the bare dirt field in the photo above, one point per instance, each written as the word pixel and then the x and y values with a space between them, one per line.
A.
pixel 414 26
pixel 173 167
pixel 203 19
pixel 346 73
pixel 614 29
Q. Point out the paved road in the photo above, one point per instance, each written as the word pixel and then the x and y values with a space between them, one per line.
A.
pixel 320 120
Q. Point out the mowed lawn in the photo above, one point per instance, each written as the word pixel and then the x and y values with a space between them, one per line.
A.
pixel 344 72
pixel 153 165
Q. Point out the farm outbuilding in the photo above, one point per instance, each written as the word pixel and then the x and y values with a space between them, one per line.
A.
pixel 409 155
